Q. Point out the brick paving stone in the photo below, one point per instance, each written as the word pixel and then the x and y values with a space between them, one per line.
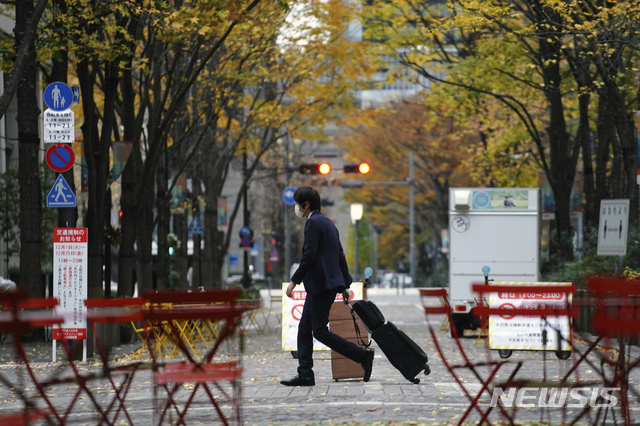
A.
pixel 337 389
pixel 355 390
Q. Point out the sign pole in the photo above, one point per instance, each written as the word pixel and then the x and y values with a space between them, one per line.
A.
pixel 59 129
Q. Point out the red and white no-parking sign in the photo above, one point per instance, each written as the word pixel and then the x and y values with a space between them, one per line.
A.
pixel 60 157
pixel 296 312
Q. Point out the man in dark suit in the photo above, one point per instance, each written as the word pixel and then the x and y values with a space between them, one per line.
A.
pixel 323 269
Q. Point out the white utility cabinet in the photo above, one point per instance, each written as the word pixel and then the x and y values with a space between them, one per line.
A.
pixel 494 227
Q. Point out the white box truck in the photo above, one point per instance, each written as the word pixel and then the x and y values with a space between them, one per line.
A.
pixel 498 228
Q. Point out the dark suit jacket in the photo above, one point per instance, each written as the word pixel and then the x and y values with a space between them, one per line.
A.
pixel 323 265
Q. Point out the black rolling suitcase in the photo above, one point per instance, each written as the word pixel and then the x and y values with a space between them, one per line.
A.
pixel 401 351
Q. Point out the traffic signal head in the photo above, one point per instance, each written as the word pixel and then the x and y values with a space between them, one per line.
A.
pixel 315 169
pixel 362 168
pixel 324 168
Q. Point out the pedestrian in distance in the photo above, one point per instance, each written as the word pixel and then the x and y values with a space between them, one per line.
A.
pixel 324 272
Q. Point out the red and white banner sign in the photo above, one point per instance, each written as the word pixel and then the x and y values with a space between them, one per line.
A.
pixel 292 312
pixel 70 281
pixel 529 332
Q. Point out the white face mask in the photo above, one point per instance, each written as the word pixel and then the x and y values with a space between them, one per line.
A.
pixel 297 211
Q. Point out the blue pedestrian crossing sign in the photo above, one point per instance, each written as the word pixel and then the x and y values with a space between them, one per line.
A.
pixel 61 194
pixel 196 227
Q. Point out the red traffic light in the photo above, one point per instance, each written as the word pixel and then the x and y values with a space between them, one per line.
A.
pixel 362 168
pixel 324 168
pixel 315 169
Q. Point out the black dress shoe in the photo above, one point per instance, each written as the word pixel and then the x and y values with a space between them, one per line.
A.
pixel 367 363
pixel 299 381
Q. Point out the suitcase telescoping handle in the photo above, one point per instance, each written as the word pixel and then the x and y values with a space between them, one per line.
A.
pixel 365 283
pixel 355 325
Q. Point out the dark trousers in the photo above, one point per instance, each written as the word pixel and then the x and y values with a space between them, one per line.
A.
pixel 314 321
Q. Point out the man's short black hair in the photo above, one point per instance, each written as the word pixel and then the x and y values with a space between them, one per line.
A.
pixel 307 194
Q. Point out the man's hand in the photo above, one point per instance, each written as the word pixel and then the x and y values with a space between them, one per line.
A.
pixel 346 296
pixel 290 288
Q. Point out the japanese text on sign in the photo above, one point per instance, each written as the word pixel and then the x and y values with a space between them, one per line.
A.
pixel 70 283
pixel 292 312
pixel 537 295
pixel 59 126
pixel 529 332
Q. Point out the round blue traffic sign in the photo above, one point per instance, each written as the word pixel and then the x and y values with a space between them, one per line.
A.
pixel 287 195
pixel 245 231
pixel 58 96
pixel 60 157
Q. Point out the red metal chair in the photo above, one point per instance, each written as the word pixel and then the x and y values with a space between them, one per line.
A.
pixel 120 377
pixel 17 322
pixel 543 311
pixel 205 373
pixel 617 321
pixel 25 314
pixel 475 367
pixel 442 295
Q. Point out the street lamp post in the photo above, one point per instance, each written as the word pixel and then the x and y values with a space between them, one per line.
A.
pixel 412 221
pixel 356 215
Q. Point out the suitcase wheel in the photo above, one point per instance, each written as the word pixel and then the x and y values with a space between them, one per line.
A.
pixel 415 381
pixel 427 370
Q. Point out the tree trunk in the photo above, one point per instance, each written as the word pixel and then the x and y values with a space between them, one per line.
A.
pixel 130 207
pixel 28 166
pixel 181 254
pixel 162 209
pixel 96 149
pixel 196 264
pixel 591 207
pixel 563 155
pixel 129 202
pixel 625 131
pixel 211 266
pixel 94 208
pixel 147 273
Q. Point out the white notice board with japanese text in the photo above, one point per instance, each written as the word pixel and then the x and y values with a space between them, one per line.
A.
pixel 527 332
pixel 70 281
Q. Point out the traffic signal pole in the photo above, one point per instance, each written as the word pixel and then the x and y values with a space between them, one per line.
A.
pixel 409 182
pixel 287 218
pixel 412 237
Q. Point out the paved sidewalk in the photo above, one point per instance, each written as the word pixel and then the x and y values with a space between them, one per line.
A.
pixel 388 397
